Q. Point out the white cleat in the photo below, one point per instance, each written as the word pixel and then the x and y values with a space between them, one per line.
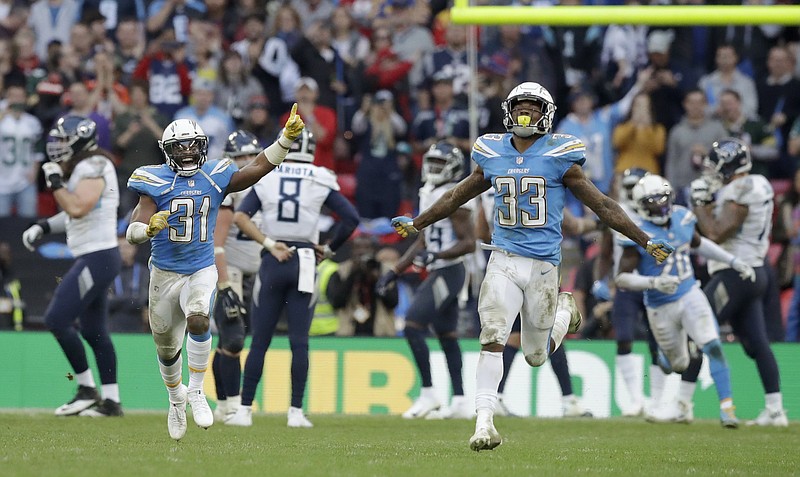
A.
pixel 637 410
pixel 242 418
pixel 296 418
pixel 85 398
pixel 567 302
pixel 676 411
pixel 769 417
pixel 574 408
pixel 486 437
pixel 221 411
pixel 421 407
pixel 201 411
pixel 501 409
pixel 460 408
pixel 176 418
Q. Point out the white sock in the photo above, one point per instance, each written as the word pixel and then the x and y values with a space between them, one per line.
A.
pixel 197 353
pixel 626 364
pixel 686 391
pixel 774 401
pixel 110 391
pixel 560 327
pixel 657 378
pixel 427 393
pixel 172 378
pixel 489 372
pixel 86 379
pixel 567 399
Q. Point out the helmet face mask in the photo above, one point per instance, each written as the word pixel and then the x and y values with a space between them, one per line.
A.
pixel 303 148
pixel 653 197
pixel 185 147
pixel 71 135
pixel 728 157
pixel 442 163
pixel 535 93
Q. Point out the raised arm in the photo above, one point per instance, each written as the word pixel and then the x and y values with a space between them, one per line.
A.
pixel 467 189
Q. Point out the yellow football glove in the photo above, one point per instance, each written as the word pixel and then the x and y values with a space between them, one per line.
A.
pixel 294 125
pixel 158 222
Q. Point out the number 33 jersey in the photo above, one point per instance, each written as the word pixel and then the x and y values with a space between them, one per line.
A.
pixel 679 234
pixel 187 244
pixel 530 193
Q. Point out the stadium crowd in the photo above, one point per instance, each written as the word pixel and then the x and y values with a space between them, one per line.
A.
pixel 378 83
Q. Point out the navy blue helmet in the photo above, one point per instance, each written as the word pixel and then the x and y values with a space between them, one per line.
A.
pixel 241 143
pixel 71 135
pixel 442 163
pixel 728 157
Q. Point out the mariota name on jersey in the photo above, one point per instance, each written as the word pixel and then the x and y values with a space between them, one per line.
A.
pixel 296 170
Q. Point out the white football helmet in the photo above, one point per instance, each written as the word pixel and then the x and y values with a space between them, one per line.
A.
pixel 653 197
pixel 442 163
pixel 185 146
pixel 529 91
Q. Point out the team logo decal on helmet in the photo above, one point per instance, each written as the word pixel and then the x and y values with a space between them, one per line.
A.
pixel 728 157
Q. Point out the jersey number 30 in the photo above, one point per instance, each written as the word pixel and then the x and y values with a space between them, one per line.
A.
pixel 183 208
pixel 532 213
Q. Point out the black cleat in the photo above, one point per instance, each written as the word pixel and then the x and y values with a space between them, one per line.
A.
pixel 85 398
pixel 105 408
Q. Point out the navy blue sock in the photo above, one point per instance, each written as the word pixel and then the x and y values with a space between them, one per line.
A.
pixel 508 359
pixel 558 360
pixel 299 372
pixel 452 354
pixel 693 370
pixel 231 372
pixel 422 355
pixel 216 370
pixel 73 348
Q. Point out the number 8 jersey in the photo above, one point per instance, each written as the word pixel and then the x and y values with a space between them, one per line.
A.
pixel 530 194
pixel 187 245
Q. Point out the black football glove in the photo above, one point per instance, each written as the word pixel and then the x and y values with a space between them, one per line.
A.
pixel 383 283
pixel 425 258
pixel 231 304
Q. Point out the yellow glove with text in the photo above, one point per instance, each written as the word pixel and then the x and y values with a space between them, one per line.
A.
pixel 158 222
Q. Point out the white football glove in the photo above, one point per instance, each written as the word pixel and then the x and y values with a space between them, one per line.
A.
pixel 745 270
pixel 32 234
pixel 701 192
pixel 53 175
pixel 667 284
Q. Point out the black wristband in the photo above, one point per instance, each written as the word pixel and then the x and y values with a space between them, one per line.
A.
pixel 45 225
pixel 56 182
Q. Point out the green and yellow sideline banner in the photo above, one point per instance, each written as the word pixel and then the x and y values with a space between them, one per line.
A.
pixel 378 376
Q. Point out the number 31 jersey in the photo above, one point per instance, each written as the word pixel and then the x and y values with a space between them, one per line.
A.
pixel 187 244
pixel 529 189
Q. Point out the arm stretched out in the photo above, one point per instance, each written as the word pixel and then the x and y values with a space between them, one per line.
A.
pixel 467 189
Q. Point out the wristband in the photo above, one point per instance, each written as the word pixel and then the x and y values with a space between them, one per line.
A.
pixel 268 243
pixel 219 250
pixel 223 285
pixel 45 225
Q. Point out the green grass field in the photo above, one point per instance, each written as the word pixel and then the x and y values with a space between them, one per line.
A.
pixel 138 445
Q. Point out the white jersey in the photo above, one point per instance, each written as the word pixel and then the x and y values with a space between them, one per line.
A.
pixel 751 242
pixel 618 237
pixel 96 230
pixel 18 139
pixel 241 251
pixel 440 236
pixel 291 198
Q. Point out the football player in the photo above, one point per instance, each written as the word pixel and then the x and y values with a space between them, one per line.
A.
pixel 83 180
pixel 676 307
pixel 530 170
pixel 441 249
pixel 290 201
pixel 734 209
pixel 20 133
pixel 181 198
pixel 237 258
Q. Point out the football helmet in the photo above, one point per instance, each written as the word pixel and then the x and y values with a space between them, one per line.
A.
pixel 630 177
pixel 241 143
pixel 653 197
pixel 303 148
pixel 71 135
pixel 529 91
pixel 728 157
pixel 185 146
pixel 442 163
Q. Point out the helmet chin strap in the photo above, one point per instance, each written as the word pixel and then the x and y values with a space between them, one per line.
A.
pixel 523 131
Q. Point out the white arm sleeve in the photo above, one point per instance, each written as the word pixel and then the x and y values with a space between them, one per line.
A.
pixel 58 223
pixel 712 251
pixel 136 233
pixel 276 152
pixel 634 281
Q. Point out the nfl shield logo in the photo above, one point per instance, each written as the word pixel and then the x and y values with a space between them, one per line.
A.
pixel 519 160
pixel 191 182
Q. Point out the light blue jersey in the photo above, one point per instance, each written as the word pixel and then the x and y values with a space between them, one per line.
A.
pixel 529 198
pixel 679 234
pixel 193 202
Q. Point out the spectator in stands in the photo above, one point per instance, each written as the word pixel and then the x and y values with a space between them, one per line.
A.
pixel 688 142
pixel 215 122
pixel 787 232
pixel 320 120
pixel 235 87
pixel 312 11
pixel 10 73
pixel 276 70
pixel 779 103
pixel 225 18
pixel 11 305
pixel 20 155
pixel 669 81
pixel 624 53
pixel 639 141
pixel 752 42
pixel 130 47
pixel 167 73
pixel 351 292
pixel 384 69
pixel 377 129
pixel 52 20
pixel 493 85
pixel 204 48
pixel 14 17
pixel 252 44
pixel 173 15
pixel 352 46
pixel 728 77
pixel 317 59
pixel 136 132
pixel 411 41
pixel 259 121
pixel 82 102
pixel 757 134
pixel 25 54
pixel 452 59
pixel 127 302
pixel 443 119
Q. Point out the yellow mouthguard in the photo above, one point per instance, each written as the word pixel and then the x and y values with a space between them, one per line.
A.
pixel 524 121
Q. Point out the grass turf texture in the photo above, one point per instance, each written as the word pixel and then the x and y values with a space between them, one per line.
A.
pixel 138 445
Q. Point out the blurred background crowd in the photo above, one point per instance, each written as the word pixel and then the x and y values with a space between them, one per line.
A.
pixel 378 82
